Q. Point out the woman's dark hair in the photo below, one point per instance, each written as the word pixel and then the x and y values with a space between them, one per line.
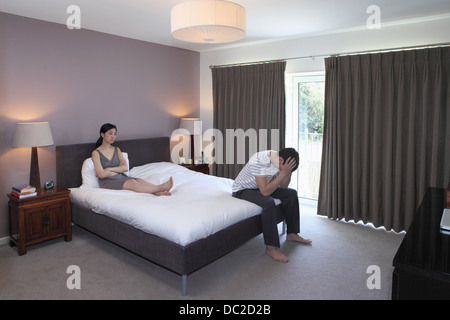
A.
pixel 106 127
pixel 289 152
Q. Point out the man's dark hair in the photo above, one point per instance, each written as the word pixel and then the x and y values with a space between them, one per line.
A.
pixel 289 152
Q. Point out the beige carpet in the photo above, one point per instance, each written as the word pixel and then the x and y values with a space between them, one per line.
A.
pixel 333 267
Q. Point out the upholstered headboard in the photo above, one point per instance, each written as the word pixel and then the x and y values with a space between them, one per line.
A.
pixel 69 158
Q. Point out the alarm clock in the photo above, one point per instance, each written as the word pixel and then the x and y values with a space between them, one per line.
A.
pixel 48 185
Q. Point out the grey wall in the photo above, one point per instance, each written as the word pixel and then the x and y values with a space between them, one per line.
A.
pixel 79 79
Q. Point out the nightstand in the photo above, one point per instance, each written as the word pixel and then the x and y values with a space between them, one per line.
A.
pixel 43 217
pixel 203 168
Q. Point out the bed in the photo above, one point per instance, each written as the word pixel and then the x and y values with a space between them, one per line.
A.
pixel 198 224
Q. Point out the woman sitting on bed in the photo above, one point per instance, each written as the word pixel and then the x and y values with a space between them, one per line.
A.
pixel 110 167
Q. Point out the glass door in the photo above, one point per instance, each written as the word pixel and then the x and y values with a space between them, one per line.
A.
pixel 304 129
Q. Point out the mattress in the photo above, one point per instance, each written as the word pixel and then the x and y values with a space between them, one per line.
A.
pixel 200 204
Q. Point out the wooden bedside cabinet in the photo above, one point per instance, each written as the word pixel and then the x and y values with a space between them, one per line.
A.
pixel 203 168
pixel 43 217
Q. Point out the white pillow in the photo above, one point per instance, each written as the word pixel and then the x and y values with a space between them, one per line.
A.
pixel 88 175
pixel 125 156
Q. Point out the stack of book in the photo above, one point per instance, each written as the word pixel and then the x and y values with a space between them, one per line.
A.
pixel 23 191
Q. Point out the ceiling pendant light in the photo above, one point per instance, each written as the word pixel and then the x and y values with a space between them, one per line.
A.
pixel 208 21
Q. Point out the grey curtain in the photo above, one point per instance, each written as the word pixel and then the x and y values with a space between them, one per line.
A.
pixel 248 101
pixel 386 135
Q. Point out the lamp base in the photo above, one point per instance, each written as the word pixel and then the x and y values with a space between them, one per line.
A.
pixel 35 179
pixel 192 148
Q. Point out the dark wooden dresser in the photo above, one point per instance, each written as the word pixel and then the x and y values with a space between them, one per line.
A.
pixel 40 218
pixel 422 263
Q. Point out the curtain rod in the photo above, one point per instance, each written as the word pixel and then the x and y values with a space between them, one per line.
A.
pixel 445 44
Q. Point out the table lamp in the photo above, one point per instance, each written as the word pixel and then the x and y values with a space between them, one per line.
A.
pixel 33 134
pixel 194 126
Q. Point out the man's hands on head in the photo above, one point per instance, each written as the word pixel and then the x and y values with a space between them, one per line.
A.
pixel 282 180
pixel 288 165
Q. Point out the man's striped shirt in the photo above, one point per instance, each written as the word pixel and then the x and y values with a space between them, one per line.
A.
pixel 259 165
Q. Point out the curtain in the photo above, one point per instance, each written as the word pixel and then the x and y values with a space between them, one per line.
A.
pixel 386 135
pixel 249 113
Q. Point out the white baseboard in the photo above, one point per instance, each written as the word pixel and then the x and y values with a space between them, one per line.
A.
pixel 4 240
pixel 307 202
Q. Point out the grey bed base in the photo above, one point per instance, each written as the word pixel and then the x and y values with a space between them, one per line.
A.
pixel 182 260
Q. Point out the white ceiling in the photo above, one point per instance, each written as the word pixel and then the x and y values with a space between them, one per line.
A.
pixel 267 20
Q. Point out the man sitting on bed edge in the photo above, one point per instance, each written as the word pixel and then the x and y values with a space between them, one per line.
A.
pixel 266 176
pixel 110 166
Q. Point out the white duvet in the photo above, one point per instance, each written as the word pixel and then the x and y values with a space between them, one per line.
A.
pixel 200 204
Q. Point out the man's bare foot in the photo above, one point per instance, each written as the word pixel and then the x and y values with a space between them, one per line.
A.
pixel 276 254
pixel 296 238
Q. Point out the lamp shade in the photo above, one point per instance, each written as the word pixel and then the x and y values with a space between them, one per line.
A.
pixel 208 21
pixel 32 134
pixel 193 125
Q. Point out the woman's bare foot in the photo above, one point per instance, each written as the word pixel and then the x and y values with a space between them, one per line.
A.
pixel 276 254
pixel 296 238
pixel 166 186
pixel 163 193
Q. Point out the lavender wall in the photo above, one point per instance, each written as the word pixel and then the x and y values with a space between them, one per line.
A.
pixel 79 79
